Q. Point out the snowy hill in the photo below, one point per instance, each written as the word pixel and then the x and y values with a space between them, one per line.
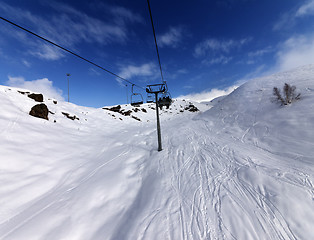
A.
pixel 250 115
pixel 241 170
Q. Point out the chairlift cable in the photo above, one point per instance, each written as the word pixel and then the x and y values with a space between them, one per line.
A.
pixel 96 65
pixel 151 19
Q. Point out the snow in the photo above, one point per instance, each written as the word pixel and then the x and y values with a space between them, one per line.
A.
pixel 242 168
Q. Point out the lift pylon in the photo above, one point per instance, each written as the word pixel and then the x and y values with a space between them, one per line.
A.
pixel 156 89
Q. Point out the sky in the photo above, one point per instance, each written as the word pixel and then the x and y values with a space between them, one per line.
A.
pixel 206 47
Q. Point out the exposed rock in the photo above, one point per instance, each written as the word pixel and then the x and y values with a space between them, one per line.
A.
pixel 70 117
pixel 192 108
pixel 113 109
pixel 136 118
pixel 37 97
pixel 40 111
pixel 127 113
pixel 123 112
pixel 55 102
pixel 21 92
pixel 144 110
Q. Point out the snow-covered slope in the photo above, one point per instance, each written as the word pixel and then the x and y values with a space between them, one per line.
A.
pixel 250 114
pixel 241 170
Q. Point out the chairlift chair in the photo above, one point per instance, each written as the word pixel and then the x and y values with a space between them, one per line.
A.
pixel 150 98
pixel 165 100
pixel 136 98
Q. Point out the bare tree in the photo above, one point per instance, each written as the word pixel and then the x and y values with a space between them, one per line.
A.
pixel 289 94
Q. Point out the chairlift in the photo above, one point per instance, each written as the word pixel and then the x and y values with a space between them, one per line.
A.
pixel 165 100
pixel 150 98
pixel 136 98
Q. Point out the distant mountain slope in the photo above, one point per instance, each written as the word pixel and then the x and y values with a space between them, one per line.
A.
pixel 16 102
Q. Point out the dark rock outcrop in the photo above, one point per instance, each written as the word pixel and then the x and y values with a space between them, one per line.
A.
pixel 69 116
pixel 118 109
pixel 37 97
pixel 113 109
pixel 126 113
pixel 40 111
pixel 192 108
pixel 21 92
pixel 136 118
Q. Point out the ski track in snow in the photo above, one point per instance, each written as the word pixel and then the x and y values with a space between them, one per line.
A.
pixel 212 171
pixel 215 180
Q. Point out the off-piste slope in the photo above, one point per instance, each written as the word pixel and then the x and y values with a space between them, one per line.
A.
pixel 251 115
pixel 278 144
pixel 242 170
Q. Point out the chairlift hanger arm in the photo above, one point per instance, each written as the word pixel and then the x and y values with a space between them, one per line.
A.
pixel 155 88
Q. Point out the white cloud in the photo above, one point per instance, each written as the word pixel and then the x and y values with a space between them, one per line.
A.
pixel 214 45
pixel 289 18
pixel 94 72
pixel 182 71
pixel 286 20
pixel 176 73
pixel 69 27
pixel 171 38
pixel 219 60
pixel 123 15
pixel 147 69
pixel 82 27
pixel 26 63
pixel 306 9
pixel 207 96
pixel 256 56
pixel 43 86
pixel 259 71
pixel 296 51
pixel 261 52
pixel 47 52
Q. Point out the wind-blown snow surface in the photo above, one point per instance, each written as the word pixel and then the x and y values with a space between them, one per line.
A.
pixel 241 170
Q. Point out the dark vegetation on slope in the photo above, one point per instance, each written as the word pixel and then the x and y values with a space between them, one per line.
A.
pixel 289 94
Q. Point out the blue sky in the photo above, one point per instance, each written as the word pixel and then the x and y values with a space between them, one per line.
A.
pixel 204 45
